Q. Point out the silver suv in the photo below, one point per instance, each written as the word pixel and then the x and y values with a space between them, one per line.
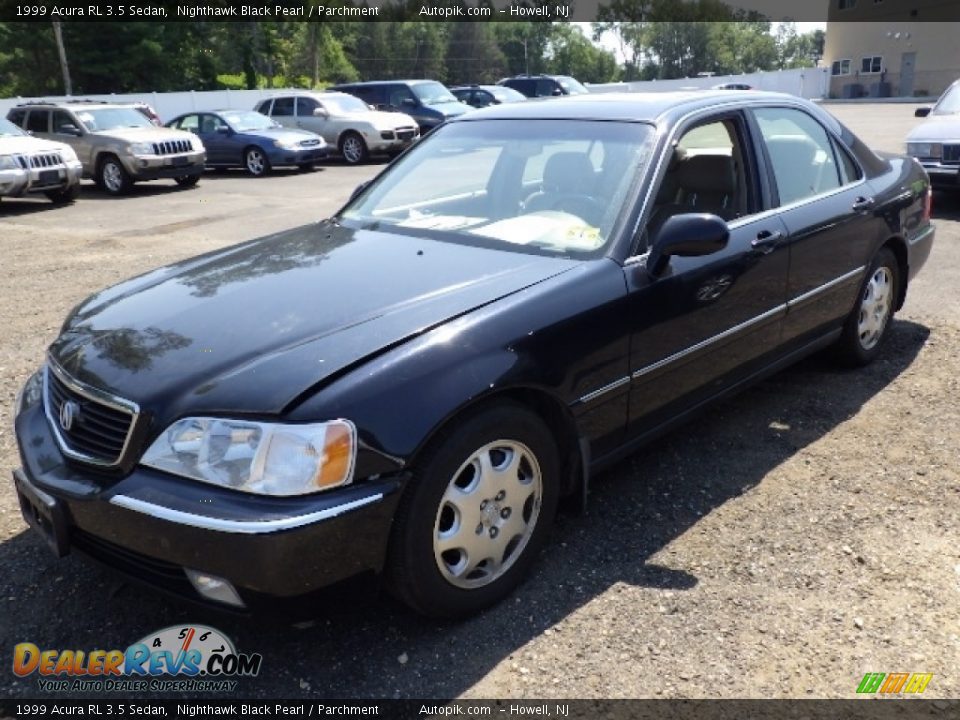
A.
pixel 117 145
pixel 345 122
pixel 31 165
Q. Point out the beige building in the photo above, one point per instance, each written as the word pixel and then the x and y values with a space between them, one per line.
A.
pixel 888 48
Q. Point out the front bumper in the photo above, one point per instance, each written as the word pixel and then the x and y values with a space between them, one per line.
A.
pixel 941 174
pixel 22 181
pixel 153 526
pixel 298 156
pixel 155 167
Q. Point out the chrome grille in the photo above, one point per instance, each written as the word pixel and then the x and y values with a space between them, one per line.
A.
pixel 101 425
pixel 951 154
pixel 46 160
pixel 172 147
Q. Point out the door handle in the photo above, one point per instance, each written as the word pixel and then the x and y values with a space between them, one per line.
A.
pixel 766 240
pixel 862 204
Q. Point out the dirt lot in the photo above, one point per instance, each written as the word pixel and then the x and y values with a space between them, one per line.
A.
pixel 795 538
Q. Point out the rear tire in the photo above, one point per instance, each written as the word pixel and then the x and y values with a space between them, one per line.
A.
pixel 478 510
pixel 868 324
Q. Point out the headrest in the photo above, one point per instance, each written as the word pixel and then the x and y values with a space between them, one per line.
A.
pixel 568 172
pixel 707 174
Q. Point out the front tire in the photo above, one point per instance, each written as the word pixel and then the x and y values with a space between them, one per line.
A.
pixel 353 148
pixel 868 324
pixel 478 510
pixel 113 177
pixel 256 161
pixel 65 195
pixel 187 181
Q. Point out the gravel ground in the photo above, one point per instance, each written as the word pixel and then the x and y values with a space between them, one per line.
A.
pixel 791 540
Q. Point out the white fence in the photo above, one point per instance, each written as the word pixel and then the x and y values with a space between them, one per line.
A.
pixel 807 83
pixel 168 105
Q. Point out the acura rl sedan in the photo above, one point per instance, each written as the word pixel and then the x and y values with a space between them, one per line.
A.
pixel 403 392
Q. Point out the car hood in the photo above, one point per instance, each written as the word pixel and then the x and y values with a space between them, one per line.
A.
pixel 387 120
pixel 451 109
pixel 936 128
pixel 251 328
pixel 145 134
pixel 13 144
pixel 283 134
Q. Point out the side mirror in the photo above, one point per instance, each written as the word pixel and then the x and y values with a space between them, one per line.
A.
pixel 557 92
pixel 688 235
pixel 223 130
pixel 69 129
pixel 922 111
pixel 320 112
pixel 408 102
pixel 359 189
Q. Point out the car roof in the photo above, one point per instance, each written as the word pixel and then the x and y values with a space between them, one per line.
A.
pixel 386 82
pixel 74 104
pixel 622 106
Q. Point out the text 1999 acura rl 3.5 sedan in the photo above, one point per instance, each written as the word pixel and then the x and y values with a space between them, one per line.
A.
pixel 405 390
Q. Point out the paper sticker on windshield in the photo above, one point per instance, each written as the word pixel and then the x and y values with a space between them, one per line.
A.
pixel 584 236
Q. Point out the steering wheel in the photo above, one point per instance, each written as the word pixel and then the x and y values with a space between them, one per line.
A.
pixel 585 207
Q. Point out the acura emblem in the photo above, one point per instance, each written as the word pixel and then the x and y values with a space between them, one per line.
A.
pixel 69 412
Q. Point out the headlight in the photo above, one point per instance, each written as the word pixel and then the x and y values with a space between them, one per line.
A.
pixel 287 144
pixel 257 457
pixel 9 162
pixel 141 148
pixel 68 154
pixel 925 150
pixel 30 394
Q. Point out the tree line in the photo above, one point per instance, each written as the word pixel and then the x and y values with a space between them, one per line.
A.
pixel 199 55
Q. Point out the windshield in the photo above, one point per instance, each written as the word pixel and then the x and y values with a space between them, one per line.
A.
pixel 505 94
pixel 433 93
pixel 949 104
pixel 112 118
pixel 572 86
pixel 546 186
pixel 346 105
pixel 247 120
pixel 8 128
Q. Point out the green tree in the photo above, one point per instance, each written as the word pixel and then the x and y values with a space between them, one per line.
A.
pixel 571 53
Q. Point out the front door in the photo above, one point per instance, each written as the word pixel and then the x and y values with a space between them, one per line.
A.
pixel 701 324
pixel 908 61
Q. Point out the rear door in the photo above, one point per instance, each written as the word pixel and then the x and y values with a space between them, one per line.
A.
pixel 284 111
pixel 828 209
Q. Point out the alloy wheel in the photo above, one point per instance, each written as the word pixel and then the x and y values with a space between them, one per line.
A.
pixel 487 514
pixel 875 307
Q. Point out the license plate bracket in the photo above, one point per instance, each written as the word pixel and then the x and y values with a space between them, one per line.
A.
pixel 49 177
pixel 44 513
pixel 180 161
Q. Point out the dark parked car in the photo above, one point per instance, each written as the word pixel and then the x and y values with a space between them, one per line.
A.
pixel 407 389
pixel 426 101
pixel 534 86
pixel 481 96
pixel 247 139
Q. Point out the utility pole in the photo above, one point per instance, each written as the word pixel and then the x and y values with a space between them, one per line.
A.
pixel 58 34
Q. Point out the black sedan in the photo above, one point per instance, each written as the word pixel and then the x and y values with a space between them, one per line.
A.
pixel 248 139
pixel 405 390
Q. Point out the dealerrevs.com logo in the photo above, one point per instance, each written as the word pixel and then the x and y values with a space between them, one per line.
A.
pixel 177 659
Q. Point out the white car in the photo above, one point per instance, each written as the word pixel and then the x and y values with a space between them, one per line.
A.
pixel 345 122
pixel 30 165
pixel 936 142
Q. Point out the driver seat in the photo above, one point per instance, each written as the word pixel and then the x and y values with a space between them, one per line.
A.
pixel 565 173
